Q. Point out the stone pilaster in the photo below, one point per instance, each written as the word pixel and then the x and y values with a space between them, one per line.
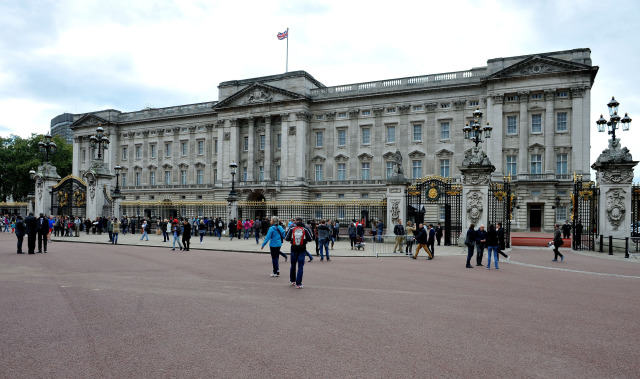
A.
pixel 46 177
pixel 252 148
pixel 614 172
pixel 523 134
pixel 475 195
pixel 284 154
pixel 302 119
pixel 549 132
pixel 267 148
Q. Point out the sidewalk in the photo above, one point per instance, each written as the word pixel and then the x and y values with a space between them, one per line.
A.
pixel 342 248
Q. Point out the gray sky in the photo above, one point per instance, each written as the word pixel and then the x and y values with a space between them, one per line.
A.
pixel 81 55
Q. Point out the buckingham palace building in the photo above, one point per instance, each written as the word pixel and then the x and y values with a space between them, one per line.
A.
pixel 294 138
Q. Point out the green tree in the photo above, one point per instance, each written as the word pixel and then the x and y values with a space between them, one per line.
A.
pixel 19 155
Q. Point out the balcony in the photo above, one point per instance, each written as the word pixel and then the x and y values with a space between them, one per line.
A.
pixel 541 177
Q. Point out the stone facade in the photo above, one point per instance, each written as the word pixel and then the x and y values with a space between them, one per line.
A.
pixel 295 138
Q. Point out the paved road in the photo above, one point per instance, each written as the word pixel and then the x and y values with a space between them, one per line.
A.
pixel 93 310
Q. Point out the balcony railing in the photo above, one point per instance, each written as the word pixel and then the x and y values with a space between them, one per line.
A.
pixel 541 177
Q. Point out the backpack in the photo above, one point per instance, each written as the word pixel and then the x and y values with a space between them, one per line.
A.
pixel 298 236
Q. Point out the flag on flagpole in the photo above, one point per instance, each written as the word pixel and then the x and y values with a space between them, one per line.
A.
pixel 283 35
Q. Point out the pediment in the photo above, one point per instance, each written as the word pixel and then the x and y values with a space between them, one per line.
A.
pixel 444 153
pixel 341 157
pixel 388 155
pixel 318 159
pixel 541 65
pixel 258 94
pixel 89 119
pixel 365 156
pixel 416 154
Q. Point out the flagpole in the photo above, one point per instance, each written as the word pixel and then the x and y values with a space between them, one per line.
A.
pixel 287 64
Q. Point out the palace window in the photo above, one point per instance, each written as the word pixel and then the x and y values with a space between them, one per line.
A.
pixel 138 151
pixel 167 149
pixel 473 103
pixel 417 132
pixel 342 114
pixel 215 175
pixel 512 165
pixel 319 173
pixel 366 136
pixel 279 141
pixel 536 123
pixel 445 105
pixel 138 179
pixel 561 124
pixel 245 174
pixel 536 164
pixel 535 96
pixel 444 131
pixel 215 146
pixel 562 164
pixel 365 170
pixel 262 142
pixel 319 138
pixel 167 177
pixel 444 168
pixel 512 98
pixel 561 213
pixel 183 148
pixel 319 117
pixel 416 169
pixel 366 113
pixel 183 177
pixel 200 177
pixel 200 147
pixel 512 125
pixel 84 155
pixel 152 150
pixel 391 134
pixel 342 137
pixel 152 178
pixel 562 94
pixel 261 173
pixel 391 110
pixel 417 108
pixel 124 179
pixel 389 169
pixel 246 143
pixel 124 153
pixel 342 171
pixel 278 173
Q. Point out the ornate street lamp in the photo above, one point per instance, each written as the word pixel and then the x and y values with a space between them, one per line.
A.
pixel 474 131
pixel 47 146
pixel 614 120
pixel 233 166
pixel 116 191
pixel 99 141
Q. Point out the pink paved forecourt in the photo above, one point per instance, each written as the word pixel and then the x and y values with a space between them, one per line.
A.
pixel 89 309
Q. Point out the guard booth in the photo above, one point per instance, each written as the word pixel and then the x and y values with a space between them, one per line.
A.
pixel 437 200
pixel 69 197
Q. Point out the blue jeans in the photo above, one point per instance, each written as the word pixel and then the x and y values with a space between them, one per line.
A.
pixel 246 234
pixel 218 232
pixel 144 235
pixel 114 240
pixel 202 234
pixel 176 238
pixel 257 236
pixel 323 242
pixel 297 258
pixel 379 235
pixel 492 251
pixel 275 258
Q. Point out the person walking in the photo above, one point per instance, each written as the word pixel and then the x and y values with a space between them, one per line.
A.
pixel 557 242
pixel 439 233
pixel 431 239
pixel 470 241
pixel 351 230
pixel 501 243
pixel 115 230
pixel 256 230
pixel 324 234
pixel 410 236
pixel 481 239
pixel 421 240
pixel 492 246
pixel 380 228
pixel 43 232
pixel 398 230
pixel 202 228
pixel 233 225
pixel 145 230
pixel 20 231
pixel 31 224
pixel 175 230
pixel 275 236
pixel 299 236
pixel 110 229
pixel 186 235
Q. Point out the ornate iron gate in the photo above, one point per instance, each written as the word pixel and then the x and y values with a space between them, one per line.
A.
pixel 635 211
pixel 434 200
pixel 69 197
pixel 585 214
pixel 500 207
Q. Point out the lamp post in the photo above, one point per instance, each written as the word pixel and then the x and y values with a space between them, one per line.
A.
pixel 47 146
pixel 474 131
pixel 32 195
pixel 614 120
pixel 99 141
pixel 233 166
pixel 116 191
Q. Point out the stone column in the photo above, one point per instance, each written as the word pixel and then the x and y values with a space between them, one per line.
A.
pixel 580 142
pixel 495 143
pixel 284 153
pixel 267 148
pixel 252 147
pixel 614 172
pixel 523 134
pixel 549 132
pixel 476 172
pixel 75 170
pixel 302 118
pixel 97 178
pixel 396 203
pixel 46 177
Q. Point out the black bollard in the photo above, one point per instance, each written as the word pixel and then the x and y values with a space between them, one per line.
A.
pixel 610 245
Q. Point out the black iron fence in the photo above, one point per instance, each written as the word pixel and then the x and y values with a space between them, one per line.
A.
pixel 585 214
pixel 500 207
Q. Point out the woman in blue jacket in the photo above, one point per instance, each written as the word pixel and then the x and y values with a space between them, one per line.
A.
pixel 275 236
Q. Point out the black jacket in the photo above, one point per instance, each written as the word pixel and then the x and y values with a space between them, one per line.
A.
pixel 43 225
pixel 501 243
pixel 308 237
pixel 492 238
pixel 20 228
pixel 422 236
pixel 31 224
pixel 398 230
